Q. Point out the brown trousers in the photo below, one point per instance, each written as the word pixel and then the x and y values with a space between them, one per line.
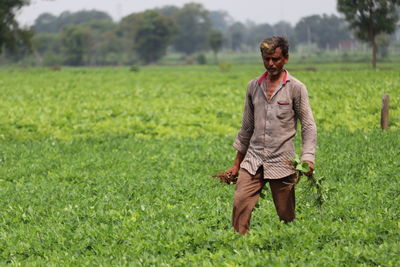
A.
pixel 248 189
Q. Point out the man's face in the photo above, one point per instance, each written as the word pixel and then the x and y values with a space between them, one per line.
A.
pixel 274 62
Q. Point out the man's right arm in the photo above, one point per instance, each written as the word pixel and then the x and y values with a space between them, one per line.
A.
pixel 234 170
pixel 243 137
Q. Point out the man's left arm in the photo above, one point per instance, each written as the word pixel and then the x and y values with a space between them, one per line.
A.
pixel 308 126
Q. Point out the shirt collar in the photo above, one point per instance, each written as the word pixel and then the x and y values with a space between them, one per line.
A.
pixel 285 78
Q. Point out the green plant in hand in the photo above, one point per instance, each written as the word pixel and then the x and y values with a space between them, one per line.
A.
pixel 301 166
pixel 315 187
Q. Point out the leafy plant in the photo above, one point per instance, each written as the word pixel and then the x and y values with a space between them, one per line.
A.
pixel 134 68
pixel 314 183
pixel 225 66
pixel 201 59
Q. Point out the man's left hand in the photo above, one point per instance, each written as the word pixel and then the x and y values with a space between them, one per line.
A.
pixel 311 165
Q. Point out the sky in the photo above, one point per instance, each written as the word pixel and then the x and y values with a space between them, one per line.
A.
pixel 259 11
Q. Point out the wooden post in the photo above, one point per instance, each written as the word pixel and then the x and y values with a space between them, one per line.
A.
pixel 385 112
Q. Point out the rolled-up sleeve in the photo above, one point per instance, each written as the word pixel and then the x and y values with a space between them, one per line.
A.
pixel 308 126
pixel 243 137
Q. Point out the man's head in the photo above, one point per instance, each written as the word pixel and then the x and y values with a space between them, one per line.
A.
pixel 275 54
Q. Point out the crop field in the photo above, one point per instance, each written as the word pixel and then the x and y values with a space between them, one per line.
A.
pixel 104 166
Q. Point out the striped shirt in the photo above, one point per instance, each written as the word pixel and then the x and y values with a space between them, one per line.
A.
pixel 269 127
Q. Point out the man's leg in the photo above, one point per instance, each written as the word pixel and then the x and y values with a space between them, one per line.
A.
pixel 248 189
pixel 284 197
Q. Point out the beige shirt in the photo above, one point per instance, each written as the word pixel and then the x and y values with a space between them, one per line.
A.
pixel 269 127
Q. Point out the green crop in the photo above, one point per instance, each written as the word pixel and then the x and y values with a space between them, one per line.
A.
pixel 301 167
pixel 105 166
pixel 314 183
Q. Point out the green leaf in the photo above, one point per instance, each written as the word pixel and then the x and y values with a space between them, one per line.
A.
pixel 305 166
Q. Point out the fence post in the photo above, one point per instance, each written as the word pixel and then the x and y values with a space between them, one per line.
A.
pixel 385 112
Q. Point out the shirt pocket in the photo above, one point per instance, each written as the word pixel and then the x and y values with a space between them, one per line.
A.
pixel 284 110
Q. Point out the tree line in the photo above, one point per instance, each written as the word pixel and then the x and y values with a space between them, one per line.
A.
pixel 93 38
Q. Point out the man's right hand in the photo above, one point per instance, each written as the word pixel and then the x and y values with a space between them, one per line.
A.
pixel 233 171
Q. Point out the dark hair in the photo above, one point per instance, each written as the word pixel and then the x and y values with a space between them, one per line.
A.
pixel 270 44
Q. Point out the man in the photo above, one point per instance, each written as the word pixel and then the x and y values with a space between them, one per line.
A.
pixel 265 149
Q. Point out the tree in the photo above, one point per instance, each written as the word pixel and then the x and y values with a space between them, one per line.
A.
pixel 369 18
pixel 220 20
pixel 48 23
pixel 46 42
pixel 101 44
pixel 11 35
pixel 105 46
pixel 215 40
pixel 46 48
pixel 236 35
pixel 169 11
pixel 152 33
pixel 193 27
pixel 325 31
pixel 126 31
pixel 382 42
pixel 283 28
pixel 75 44
pixel 259 32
